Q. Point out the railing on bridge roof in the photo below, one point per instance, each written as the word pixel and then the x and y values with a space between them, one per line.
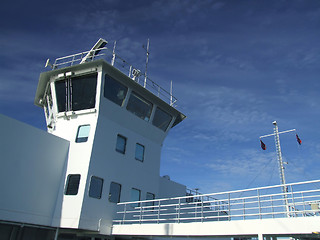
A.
pixel 256 203
pixel 121 65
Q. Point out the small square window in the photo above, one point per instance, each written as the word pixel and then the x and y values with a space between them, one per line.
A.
pixel 121 144
pixel 139 155
pixel 114 192
pixel 83 133
pixel 95 189
pixel 72 185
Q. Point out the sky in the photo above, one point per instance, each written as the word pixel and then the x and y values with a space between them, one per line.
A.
pixel 236 67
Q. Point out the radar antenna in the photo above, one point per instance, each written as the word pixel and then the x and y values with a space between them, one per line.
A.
pixel 94 50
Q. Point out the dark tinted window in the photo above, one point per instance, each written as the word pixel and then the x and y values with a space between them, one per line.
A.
pixel 95 189
pixel 161 119
pixel 72 184
pixel 114 90
pixel 84 92
pixel 139 106
pixel 61 95
pixel 77 93
pixel 114 193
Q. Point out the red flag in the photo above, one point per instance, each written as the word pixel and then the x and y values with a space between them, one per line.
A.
pixel 263 146
pixel 298 139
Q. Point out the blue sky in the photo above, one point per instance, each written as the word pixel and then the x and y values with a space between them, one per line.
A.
pixel 236 66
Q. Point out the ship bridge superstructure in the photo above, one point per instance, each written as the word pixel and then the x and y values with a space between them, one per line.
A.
pixel 115 126
pixel 105 130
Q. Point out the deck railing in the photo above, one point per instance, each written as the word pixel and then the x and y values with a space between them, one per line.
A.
pixel 300 200
pixel 122 65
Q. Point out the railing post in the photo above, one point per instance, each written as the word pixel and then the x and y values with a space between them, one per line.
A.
pixel 72 60
pixel 229 210
pixel 304 205
pixel 158 212
pixel 218 210
pixel 201 208
pixel 272 209
pixel 258 194
pixel 140 217
pixel 179 210
pixel 124 213
pixel 244 209
pixel 293 205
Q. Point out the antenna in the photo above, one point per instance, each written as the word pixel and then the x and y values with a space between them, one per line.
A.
pixel 147 60
pixel 171 103
pixel 113 53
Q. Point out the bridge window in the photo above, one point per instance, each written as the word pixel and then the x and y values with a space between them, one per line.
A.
pixel 139 155
pixel 121 144
pixel 72 185
pixel 114 90
pixel 114 192
pixel 83 133
pixel 135 196
pixel 139 106
pixel 161 119
pixel 95 189
pixel 76 93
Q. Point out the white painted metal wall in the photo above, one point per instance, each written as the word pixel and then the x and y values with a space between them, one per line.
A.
pixel 31 172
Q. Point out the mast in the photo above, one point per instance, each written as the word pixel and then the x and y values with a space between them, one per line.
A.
pixel 280 163
pixel 281 168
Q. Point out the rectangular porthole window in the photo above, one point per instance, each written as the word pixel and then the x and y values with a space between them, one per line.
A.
pixel 95 189
pixel 135 196
pixel 121 144
pixel 72 185
pixel 139 106
pixel 114 192
pixel 139 155
pixel 161 119
pixel 83 133
pixel 114 90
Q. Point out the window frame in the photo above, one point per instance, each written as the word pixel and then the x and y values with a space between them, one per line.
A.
pixel 65 89
pixel 81 139
pixel 134 108
pixel 91 187
pixel 118 195
pixel 143 152
pixel 133 200
pixel 68 185
pixel 119 136
pixel 158 114
pixel 120 86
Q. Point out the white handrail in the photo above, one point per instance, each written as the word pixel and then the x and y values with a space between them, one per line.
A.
pixel 257 203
